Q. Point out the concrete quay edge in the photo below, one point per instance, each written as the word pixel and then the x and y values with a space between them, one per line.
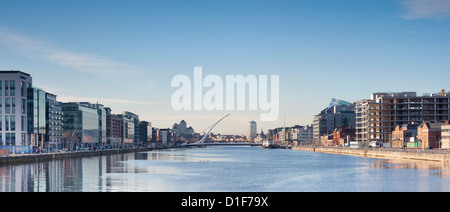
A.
pixel 377 153
pixel 33 158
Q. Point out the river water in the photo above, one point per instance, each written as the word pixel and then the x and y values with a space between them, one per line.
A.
pixel 226 168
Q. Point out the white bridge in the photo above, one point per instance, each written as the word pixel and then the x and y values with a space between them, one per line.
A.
pixel 223 144
pixel 202 141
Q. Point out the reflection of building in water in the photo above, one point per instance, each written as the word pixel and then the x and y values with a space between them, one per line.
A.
pixel 443 169
pixel 81 174
pixel 39 177
pixel 13 178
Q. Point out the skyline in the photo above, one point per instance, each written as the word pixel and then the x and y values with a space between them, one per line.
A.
pixel 124 54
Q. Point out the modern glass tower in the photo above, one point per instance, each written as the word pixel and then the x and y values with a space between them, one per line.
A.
pixel 37 123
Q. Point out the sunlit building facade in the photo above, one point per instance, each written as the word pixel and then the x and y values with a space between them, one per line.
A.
pixel 377 117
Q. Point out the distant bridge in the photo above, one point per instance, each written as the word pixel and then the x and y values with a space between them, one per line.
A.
pixel 202 141
pixel 223 144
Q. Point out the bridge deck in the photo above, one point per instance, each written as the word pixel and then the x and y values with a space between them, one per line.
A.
pixel 224 144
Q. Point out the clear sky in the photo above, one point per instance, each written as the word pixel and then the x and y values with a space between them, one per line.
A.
pixel 124 53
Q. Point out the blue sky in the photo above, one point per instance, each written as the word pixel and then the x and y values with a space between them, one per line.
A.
pixel 125 53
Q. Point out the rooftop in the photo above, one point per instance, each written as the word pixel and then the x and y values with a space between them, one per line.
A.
pixel 14 72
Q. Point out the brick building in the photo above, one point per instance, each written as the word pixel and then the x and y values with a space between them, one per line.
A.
pixel 429 135
pixel 404 134
pixel 342 136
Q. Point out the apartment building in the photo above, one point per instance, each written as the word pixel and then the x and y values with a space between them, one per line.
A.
pixel 378 116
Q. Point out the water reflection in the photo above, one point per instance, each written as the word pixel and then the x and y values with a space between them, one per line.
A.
pixel 225 169
pixel 81 174
pixel 94 173
pixel 441 169
pixel 180 156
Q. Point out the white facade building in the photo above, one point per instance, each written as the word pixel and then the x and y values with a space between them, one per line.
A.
pixel 13 108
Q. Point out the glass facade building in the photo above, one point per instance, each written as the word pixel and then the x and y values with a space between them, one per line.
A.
pixel 37 122
pixel 87 122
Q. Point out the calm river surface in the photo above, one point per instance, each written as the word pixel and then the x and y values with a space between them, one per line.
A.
pixel 225 169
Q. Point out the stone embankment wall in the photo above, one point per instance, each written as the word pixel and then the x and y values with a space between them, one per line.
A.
pixel 382 153
pixel 33 158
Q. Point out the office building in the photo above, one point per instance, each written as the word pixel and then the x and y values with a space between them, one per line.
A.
pixel 130 124
pixel 165 137
pixel 13 108
pixel 338 114
pixel 37 120
pixel 305 136
pixel 44 119
pixel 145 132
pixel 114 129
pixel 84 125
pixel 53 136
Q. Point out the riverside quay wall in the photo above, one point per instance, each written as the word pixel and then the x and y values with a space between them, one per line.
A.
pixel 33 158
pixel 412 154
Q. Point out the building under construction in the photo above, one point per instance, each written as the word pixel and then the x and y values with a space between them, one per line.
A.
pixel 378 116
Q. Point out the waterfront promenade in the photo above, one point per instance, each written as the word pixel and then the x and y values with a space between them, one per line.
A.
pixel 437 155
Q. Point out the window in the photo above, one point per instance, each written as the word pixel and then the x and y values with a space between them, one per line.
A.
pixel 23 138
pixel 6 87
pixel 22 88
pixel 8 139
pixel 13 101
pixel 6 123
pixel 1 122
pixel 23 122
pixel 7 105
pixel 0 88
pixel 12 87
pixel 13 123
pixel 1 100
pixel 23 106
pixel 13 139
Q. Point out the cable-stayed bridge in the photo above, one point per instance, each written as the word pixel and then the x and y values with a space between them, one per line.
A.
pixel 202 141
pixel 223 144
